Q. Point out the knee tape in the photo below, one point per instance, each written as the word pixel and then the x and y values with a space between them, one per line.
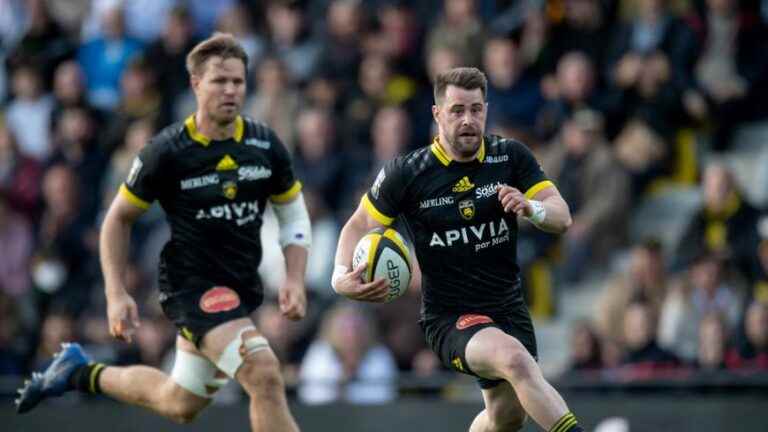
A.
pixel 231 360
pixel 196 374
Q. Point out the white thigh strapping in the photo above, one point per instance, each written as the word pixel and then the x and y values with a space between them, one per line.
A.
pixel 231 360
pixel 196 374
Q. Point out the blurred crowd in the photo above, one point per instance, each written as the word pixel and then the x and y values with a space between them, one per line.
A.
pixel 617 98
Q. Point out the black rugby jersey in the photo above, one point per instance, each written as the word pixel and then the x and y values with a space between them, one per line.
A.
pixel 464 241
pixel 214 194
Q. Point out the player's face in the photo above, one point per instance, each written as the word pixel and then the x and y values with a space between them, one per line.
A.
pixel 220 90
pixel 461 119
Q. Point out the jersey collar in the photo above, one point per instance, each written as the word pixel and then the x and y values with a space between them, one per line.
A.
pixel 445 158
pixel 197 136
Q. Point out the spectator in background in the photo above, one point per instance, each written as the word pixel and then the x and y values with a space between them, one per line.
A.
pixel 104 59
pixel 572 88
pixel 57 327
pixel 706 287
pixel 11 341
pixel 138 133
pixel 16 244
pixel 75 139
pixel 29 114
pixel 460 28
pixel 643 357
pixel 19 176
pixel 341 53
pixel 370 92
pixel 586 353
pixel 731 61
pixel 69 91
pixel 347 363
pixel 237 21
pixel 514 95
pixel 752 351
pixel 144 19
pixel 290 39
pixel 44 43
pixel 167 57
pixel 582 164
pixel 63 258
pixel 758 277
pixel 276 101
pixel 645 280
pixel 713 342
pixel 726 223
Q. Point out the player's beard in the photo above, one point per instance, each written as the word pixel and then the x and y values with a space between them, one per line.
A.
pixel 465 146
pixel 224 116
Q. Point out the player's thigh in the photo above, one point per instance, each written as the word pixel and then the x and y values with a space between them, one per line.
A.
pixel 492 353
pixel 503 407
pixel 194 380
pixel 232 343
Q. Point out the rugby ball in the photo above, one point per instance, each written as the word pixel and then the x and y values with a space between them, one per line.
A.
pixel 388 257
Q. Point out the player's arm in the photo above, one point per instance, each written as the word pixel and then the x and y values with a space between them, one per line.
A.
pixel 545 208
pixel 295 239
pixel 114 244
pixel 347 281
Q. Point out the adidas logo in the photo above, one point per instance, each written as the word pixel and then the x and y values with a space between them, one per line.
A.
pixel 463 185
pixel 226 164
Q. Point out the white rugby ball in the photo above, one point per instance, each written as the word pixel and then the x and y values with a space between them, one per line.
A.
pixel 388 257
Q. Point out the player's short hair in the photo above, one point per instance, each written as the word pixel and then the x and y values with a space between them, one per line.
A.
pixel 468 78
pixel 222 45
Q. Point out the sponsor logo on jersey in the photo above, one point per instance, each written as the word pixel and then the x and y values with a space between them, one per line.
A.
pixel 219 299
pixel 135 170
pixel 436 202
pixel 253 172
pixel 469 320
pixel 262 144
pixel 467 209
pixel 241 212
pixel 481 235
pixel 463 185
pixel 229 189
pixel 496 159
pixel 486 191
pixel 198 182
pixel 226 164
pixel 377 184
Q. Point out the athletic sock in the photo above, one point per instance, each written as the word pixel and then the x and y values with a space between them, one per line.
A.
pixel 86 378
pixel 567 423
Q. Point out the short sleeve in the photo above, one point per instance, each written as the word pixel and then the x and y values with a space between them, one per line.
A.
pixel 285 185
pixel 141 186
pixel 529 178
pixel 382 201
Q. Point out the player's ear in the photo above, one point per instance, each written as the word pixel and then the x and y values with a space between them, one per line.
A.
pixel 435 111
pixel 194 81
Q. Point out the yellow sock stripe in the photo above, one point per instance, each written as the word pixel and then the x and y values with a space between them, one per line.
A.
pixel 563 420
pixel 567 425
pixel 94 374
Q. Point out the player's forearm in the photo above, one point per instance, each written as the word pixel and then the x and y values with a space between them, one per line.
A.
pixel 350 234
pixel 558 216
pixel 295 263
pixel 114 243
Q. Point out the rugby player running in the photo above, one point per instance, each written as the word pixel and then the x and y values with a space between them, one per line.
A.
pixel 213 175
pixel 461 196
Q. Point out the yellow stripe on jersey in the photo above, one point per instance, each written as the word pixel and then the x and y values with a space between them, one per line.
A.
pixel 538 187
pixel 196 135
pixel 287 195
pixel 395 237
pixel 135 200
pixel 375 213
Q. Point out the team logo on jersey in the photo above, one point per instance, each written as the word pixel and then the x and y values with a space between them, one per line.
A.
pixel 262 144
pixel 219 299
pixel 469 320
pixel 226 164
pixel 467 209
pixel 135 170
pixel 463 185
pixel 457 364
pixel 229 188
pixel 377 184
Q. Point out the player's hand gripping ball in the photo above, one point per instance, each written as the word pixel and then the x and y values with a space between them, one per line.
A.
pixel 388 257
